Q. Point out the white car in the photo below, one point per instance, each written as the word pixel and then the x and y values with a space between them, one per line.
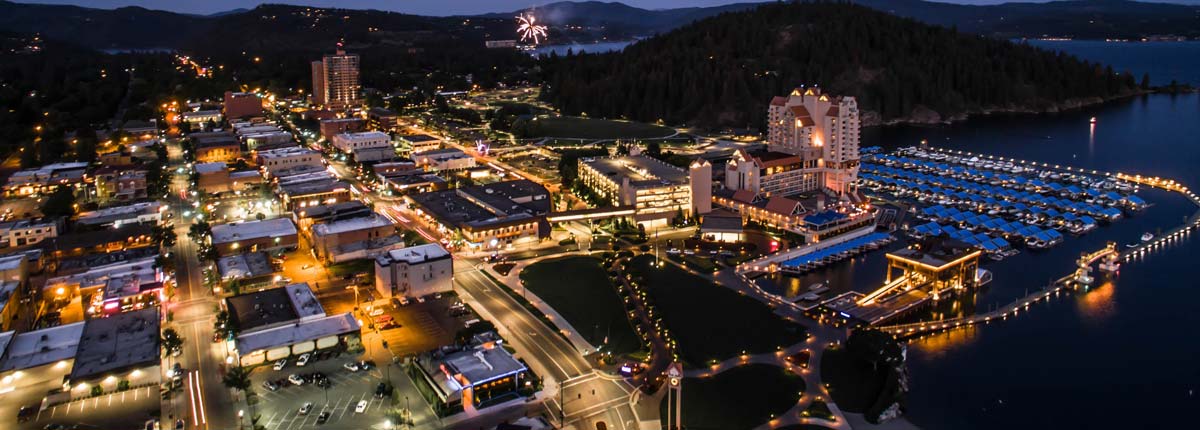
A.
pixel 376 312
pixel 353 367
pixel 279 365
pixel 361 407
pixel 304 410
pixel 421 299
pixel 295 379
pixel 303 360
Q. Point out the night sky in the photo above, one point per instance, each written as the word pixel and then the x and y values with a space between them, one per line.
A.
pixel 420 7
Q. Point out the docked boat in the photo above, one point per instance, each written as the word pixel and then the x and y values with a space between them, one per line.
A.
pixel 1092 121
pixel 982 277
pixel 1146 237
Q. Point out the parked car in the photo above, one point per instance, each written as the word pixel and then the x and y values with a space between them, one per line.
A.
pixel 366 364
pixel 151 424
pixel 353 367
pixel 279 365
pixel 303 360
pixel 295 379
pixel 179 425
pixel 388 325
pixel 270 386
pixel 376 312
pixel 361 407
pixel 304 410
pixel 321 419
pixel 380 390
pixel 26 413
pixel 421 299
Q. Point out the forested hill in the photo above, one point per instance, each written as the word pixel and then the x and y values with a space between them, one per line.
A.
pixel 723 71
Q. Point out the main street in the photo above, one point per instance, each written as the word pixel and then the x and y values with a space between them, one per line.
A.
pixel 191 309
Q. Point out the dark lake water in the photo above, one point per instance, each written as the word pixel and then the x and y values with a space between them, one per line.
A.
pixel 1122 355
pixel 1164 61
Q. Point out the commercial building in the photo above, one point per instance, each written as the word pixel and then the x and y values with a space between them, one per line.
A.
pixel 473 375
pixel 45 179
pixel 122 347
pixel 218 149
pixel 213 178
pixel 443 159
pixel 492 216
pixel 301 194
pixel 381 119
pixel 336 81
pixel 242 105
pixel 414 271
pixel 309 216
pixel 108 283
pixel 252 269
pixel 655 189
pixel 249 236
pixel 279 322
pixel 101 241
pixel 27 232
pixel 39 361
pixel 113 184
pixel 818 128
pixel 198 120
pixel 336 126
pixel 327 237
pixel 365 146
pixel 278 159
pixel 10 292
pixel 414 143
pixel 137 213
pixel 807 171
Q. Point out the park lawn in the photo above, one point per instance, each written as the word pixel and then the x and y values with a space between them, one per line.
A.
pixel 739 398
pixel 580 290
pixel 591 128
pixel 853 384
pixel 708 321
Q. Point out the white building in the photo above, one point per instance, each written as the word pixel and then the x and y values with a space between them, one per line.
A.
pixel 26 232
pixel 137 213
pixel 414 271
pixel 284 158
pixel 818 128
pixel 444 159
pixel 365 146
pixel 655 189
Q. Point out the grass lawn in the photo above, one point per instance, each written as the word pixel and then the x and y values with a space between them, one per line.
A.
pixel 579 289
pixel 590 128
pixel 710 321
pixel 853 384
pixel 739 398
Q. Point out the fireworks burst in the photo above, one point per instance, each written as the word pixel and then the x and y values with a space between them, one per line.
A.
pixel 529 29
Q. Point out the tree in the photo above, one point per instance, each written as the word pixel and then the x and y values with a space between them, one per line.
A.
pixel 165 237
pixel 170 341
pixel 60 203
pixel 874 346
pixel 1145 81
pixel 167 264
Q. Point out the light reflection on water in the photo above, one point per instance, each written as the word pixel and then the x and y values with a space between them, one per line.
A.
pixel 1097 304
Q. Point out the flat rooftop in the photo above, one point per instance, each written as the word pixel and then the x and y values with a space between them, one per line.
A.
pixel 41 347
pixel 480 365
pixel 232 232
pixel 318 186
pixel 206 168
pixel 116 343
pixel 286 152
pixel 274 306
pixel 375 220
pixel 416 138
pixel 641 170
pixel 416 254
pixel 245 265
pixel 308 330
pixel 935 251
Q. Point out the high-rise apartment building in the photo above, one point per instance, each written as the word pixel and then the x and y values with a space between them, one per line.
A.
pixel 335 81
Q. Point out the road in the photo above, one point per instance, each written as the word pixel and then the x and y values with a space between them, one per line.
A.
pixel 191 314
pixel 588 396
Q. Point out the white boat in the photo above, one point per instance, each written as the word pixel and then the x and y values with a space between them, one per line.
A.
pixel 982 277
pixel 1146 237
pixel 1092 121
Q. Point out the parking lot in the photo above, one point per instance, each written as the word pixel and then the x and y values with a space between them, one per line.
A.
pixel 280 409
pixel 127 409
pixel 420 327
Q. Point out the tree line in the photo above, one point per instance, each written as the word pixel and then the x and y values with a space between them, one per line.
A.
pixel 723 71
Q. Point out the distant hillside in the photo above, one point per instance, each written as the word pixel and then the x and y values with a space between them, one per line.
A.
pixel 620 17
pixel 127 27
pixel 722 71
pixel 1079 19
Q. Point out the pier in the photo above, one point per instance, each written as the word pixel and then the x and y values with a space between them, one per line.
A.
pixel 1109 257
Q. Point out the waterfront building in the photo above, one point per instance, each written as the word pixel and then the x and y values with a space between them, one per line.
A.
pixel 656 190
